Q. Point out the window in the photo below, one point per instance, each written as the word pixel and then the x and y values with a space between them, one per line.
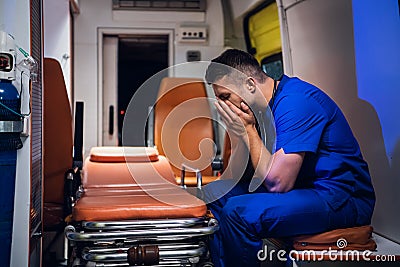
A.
pixel 263 38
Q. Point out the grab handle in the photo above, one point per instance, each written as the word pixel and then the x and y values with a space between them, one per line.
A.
pixel 111 120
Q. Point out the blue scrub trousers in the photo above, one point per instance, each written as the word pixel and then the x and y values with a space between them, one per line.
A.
pixel 246 218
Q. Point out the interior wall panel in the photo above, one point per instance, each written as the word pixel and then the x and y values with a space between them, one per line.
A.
pixel 319 46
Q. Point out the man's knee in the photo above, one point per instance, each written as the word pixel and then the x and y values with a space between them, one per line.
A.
pixel 221 190
pixel 234 212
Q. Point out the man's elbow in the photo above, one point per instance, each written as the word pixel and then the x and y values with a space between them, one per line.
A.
pixel 279 186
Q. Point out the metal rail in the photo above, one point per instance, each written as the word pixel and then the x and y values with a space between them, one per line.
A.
pixel 142 224
pixel 172 263
pixel 71 234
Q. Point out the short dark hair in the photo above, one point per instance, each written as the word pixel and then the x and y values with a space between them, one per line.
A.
pixel 237 59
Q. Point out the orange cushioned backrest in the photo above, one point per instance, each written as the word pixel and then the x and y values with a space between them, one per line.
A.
pixel 57 132
pixel 182 122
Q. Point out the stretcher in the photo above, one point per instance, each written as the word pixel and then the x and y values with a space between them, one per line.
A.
pixel 130 212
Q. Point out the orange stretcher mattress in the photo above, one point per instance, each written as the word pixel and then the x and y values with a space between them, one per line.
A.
pixel 112 174
pixel 130 207
pixel 138 184
pixel 149 189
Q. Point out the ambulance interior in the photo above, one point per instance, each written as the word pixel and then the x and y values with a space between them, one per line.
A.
pixel 119 132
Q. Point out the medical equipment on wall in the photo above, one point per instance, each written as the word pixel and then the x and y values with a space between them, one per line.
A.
pixel 11 127
pixel 11 67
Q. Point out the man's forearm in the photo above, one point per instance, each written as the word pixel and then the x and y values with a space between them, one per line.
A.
pixel 238 159
pixel 260 156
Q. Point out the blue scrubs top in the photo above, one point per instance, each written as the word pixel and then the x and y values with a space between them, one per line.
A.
pixel 308 120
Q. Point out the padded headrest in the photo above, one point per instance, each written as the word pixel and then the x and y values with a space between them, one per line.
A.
pixel 123 154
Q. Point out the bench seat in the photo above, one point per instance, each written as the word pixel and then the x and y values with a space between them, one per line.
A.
pixel 386 254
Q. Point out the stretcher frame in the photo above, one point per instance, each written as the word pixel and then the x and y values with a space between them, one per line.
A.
pixel 140 242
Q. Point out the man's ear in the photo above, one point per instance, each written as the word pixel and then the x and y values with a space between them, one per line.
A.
pixel 251 84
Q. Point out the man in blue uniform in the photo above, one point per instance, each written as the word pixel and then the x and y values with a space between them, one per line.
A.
pixel 314 180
